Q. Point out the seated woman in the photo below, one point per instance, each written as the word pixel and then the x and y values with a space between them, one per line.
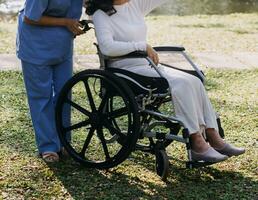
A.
pixel 120 29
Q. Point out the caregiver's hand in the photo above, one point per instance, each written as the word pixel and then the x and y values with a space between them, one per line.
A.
pixel 152 54
pixel 74 26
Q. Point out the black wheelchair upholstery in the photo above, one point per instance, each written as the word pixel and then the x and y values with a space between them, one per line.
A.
pixel 142 84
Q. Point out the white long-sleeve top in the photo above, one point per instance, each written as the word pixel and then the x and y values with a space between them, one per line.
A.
pixel 125 31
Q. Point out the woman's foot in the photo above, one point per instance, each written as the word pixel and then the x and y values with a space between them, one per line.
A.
pixel 221 146
pixel 210 155
pixel 230 150
pixel 201 151
pixel 198 144
pixel 50 157
pixel 214 138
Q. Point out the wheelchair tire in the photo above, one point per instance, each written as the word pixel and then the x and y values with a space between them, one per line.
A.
pixel 91 138
pixel 162 164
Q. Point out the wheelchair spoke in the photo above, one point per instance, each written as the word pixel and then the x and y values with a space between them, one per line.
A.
pixel 113 130
pixel 77 126
pixel 103 103
pixel 87 141
pixel 118 113
pixel 103 142
pixel 78 107
pixel 90 97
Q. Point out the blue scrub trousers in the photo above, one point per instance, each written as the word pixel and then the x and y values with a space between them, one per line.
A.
pixel 43 84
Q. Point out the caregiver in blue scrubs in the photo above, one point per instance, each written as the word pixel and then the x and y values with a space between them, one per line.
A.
pixel 46 30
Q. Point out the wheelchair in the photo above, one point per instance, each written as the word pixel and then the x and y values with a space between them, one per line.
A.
pixel 114 112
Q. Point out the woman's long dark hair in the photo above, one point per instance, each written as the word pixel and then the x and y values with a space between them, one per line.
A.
pixel 105 5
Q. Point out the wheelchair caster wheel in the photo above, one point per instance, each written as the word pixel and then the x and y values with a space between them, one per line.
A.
pixel 162 164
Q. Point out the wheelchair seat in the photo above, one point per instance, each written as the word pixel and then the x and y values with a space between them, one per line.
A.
pixel 142 84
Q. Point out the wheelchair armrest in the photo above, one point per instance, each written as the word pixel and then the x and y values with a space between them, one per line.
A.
pixel 135 54
pixel 169 48
pixel 192 72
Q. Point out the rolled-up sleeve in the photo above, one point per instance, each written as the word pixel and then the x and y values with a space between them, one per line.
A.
pixel 34 9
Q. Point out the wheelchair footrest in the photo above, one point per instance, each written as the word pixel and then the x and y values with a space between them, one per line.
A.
pixel 198 164
pixel 146 149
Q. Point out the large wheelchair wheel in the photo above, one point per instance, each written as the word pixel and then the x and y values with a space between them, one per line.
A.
pixel 104 119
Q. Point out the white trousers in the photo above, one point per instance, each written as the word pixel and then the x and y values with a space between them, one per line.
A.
pixel 191 103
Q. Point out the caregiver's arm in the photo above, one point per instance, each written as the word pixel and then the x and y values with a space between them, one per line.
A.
pixel 71 24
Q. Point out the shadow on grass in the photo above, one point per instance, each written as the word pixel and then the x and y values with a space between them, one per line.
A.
pixel 84 183
pixel 133 179
pixel 129 182
pixel 205 183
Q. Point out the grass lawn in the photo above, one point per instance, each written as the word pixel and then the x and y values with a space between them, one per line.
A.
pixel 25 176
pixel 228 33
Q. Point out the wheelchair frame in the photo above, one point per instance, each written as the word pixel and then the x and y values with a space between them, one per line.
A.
pixel 147 104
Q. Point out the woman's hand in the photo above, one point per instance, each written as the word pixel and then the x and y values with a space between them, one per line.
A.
pixel 74 26
pixel 152 54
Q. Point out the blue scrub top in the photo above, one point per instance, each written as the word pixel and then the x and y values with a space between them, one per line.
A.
pixel 45 45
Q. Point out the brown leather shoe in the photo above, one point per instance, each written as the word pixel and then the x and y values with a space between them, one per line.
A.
pixel 211 155
pixel 230 150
